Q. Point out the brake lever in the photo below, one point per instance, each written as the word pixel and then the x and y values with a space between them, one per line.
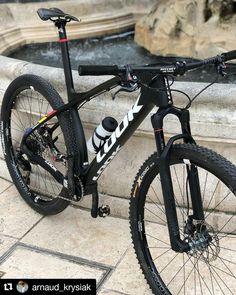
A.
pixel 221 69
pixel 130 88
pixel 221 66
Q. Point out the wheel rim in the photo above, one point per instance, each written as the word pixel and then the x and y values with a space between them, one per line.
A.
pixel 187 273
pixel 27 107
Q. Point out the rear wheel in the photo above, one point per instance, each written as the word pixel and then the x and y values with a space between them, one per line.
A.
pixel 27 99
pixel 210 266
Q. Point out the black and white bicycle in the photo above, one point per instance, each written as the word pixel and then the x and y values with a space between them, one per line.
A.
pixel 182 206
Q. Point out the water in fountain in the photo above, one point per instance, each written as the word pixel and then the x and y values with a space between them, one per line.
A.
pixel 116 49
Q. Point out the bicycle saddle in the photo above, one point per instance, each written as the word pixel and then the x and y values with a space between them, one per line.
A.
pixel 52 13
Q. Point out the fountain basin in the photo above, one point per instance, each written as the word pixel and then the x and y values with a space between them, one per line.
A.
pixel 21 25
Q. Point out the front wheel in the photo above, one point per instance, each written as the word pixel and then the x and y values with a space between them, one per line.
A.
pixel 210 266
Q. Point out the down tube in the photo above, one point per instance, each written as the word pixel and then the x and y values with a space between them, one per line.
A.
pixel 123 132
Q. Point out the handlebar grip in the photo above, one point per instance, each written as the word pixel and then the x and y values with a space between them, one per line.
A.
pixel 229 55
pixel 98 70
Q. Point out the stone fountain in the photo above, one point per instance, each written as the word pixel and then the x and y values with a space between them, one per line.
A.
pixel 188 28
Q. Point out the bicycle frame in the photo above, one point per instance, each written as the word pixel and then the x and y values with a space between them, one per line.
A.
pixel 90 173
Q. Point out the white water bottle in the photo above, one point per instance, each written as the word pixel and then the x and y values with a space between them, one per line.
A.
pixel 101 134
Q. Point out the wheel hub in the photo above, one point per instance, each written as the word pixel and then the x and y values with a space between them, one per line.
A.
pixel 35 143
pixel 203 241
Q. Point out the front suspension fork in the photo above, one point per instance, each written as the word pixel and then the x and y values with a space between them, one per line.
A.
pixel 164 154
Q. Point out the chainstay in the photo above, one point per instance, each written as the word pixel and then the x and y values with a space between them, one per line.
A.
pixel 60 197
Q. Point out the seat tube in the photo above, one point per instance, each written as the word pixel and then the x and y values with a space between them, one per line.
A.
pixel 65 58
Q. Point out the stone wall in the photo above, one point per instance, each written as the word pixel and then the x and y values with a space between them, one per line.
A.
pixel 213 119
pixel 188 28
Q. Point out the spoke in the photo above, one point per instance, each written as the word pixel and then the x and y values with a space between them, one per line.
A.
pixel 229 261
pixel 157 196
pixel 221 279
pixel 227 267
pixel 215 279
pixel 52 184
pixel 157 205
pixel 19 120
pixel 228 235
pixel 23 104
pixel 169 263
pixel 30 104
pixel 204 189
pixel 226 223
pixel 182 195
pixel 155 214
pixel 183 286
pixel 227 249
pixel 218 204
pixel 161 254
pixel 158 247
pixel 196 265
pixel 182 267
pixel 157 239
pixel 212 285
pixel 213 195
pixel 199 278
pixel 41 104
pixel 221 270
pixel 47 108
pixel 19 130
pixel 16 141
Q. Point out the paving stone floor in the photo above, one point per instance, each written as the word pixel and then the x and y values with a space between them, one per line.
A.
pixel 74 245
pixel 69 245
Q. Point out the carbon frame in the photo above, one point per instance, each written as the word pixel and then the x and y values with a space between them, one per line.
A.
pixel 91 173
pixel 77 164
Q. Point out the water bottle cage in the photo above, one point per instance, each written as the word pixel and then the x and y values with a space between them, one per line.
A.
pixel 102 142
pixel 101 133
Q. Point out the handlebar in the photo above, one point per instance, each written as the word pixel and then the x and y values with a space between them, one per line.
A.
pixel 98 70
pixel 230 55
pixel 179 68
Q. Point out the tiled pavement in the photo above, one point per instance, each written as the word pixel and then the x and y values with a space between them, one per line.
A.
pixel 69 245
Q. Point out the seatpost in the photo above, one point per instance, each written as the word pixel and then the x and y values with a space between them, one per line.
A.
pixel 61 25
